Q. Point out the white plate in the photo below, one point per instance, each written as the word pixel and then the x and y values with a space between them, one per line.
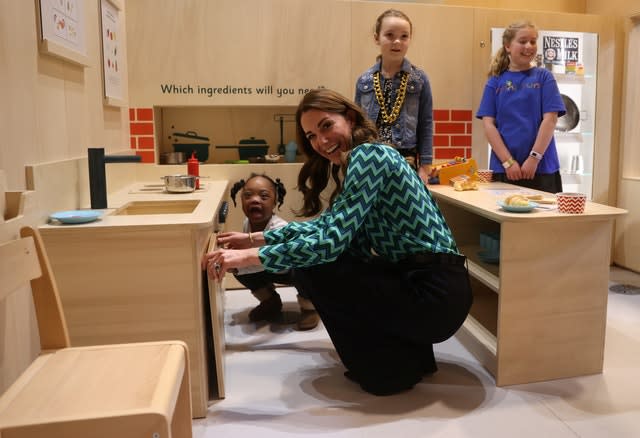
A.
pixel 76 216
pixel 517 209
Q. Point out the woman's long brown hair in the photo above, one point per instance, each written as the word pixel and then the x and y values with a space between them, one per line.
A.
pixel 314 175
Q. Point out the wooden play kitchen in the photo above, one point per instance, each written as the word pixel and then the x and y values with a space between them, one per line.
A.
pixel 134 275
pixel 540 308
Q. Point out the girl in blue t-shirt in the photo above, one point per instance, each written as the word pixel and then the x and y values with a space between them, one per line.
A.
pixel 519 110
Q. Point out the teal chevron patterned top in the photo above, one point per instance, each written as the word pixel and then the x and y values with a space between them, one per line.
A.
pixel 384 208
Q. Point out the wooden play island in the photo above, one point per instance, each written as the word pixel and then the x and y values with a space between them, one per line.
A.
pixel 540 311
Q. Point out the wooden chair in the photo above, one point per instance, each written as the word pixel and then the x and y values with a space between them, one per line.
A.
pixel 125 390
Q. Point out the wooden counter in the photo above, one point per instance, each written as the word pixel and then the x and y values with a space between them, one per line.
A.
pixel 540 313
pixel 137 277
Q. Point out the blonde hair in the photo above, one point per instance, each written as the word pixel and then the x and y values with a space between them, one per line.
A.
pixel 500 61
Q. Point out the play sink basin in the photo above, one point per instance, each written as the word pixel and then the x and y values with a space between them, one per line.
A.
pixel 157 207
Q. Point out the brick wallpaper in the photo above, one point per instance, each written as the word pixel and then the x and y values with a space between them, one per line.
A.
pixel 451 133
pixel 142 137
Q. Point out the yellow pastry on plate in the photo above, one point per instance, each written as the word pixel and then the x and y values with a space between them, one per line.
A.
pixel 516 201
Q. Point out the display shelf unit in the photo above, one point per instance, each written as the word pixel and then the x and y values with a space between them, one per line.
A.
pixel 540 313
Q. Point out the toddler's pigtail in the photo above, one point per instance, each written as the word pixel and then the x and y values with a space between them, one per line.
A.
pixel 235 189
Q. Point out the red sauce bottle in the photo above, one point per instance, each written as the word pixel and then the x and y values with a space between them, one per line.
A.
pixel 193 168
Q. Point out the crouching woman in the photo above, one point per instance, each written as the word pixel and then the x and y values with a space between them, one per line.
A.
pixel 380 262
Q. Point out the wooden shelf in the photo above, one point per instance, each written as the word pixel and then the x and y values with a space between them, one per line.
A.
pixel 562 136
pixel 487 273
pixel 484 276
pixel 571 78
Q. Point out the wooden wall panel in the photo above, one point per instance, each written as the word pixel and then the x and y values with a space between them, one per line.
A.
pixel 577 6
pixel 612 7
pixel 627 248
pixel 288 44
pixel 630 154
pixel 52 109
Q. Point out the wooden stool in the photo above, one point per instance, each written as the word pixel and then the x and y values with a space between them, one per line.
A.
pixel 125 390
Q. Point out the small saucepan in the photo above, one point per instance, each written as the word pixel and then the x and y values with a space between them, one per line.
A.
pixel 179 183
pixel 173 158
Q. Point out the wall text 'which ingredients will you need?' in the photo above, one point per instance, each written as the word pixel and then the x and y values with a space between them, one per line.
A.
pixel 229 90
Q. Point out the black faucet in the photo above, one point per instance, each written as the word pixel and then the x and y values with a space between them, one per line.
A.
pixel 98 177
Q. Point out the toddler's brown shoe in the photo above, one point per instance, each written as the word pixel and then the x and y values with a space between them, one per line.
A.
pixel 268 309
pixel 309 318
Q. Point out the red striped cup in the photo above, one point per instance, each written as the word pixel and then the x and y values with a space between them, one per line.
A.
pixel 572 203
pixel 485 174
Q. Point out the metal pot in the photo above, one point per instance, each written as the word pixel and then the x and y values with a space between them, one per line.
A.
pixel 571 118
pixel 180 183
pixel 173 158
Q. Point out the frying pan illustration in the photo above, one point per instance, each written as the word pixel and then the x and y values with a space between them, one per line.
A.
pixel 570 120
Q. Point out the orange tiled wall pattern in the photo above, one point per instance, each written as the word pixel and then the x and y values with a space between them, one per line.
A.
pixel 451 134
pixel 142 133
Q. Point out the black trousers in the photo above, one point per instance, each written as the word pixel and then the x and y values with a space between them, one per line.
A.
pixel 383 318
pixel 262 279
pixel 547 182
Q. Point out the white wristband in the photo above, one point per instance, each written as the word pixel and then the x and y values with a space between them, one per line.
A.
pixel 536 155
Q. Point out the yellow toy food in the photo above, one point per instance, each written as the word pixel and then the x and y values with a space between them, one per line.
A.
pixel 516 201
pixel 462 185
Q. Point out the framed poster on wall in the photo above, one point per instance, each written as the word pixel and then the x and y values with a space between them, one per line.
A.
pixel 112 60
pixel 61 29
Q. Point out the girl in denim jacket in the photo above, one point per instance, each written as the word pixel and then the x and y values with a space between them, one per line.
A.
pixel 396 94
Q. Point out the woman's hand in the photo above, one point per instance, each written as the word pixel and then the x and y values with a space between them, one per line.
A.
pixel 529 168
pixel 217 263
pixel 234 240
pixel 514 172
pixel 424 171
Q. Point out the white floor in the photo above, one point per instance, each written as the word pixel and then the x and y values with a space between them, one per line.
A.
pixel 284 383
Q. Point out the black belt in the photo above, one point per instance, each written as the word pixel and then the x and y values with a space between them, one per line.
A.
pixel 408 152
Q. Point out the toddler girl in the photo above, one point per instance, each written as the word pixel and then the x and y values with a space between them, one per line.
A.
pixel 259 195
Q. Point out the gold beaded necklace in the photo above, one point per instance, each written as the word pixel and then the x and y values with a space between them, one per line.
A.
pixel 397 105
